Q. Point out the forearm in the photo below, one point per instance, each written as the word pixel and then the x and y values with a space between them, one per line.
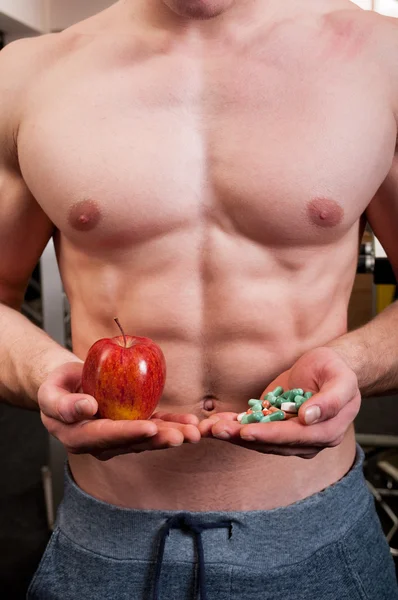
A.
pixel 27 356
pixel 372 353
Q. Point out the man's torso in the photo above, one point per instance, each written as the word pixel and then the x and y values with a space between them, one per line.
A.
pixel 208 192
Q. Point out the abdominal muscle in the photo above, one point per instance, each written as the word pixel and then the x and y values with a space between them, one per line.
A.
pixel 251 341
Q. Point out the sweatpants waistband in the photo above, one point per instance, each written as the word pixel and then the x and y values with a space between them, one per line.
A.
pixel 303 527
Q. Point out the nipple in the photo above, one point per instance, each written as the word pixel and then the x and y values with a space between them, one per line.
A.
pixel 84 215
pixel 325 213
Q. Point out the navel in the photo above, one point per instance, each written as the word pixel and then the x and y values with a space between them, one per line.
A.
pixel 325 213
pixel 209 403
pixel 84 215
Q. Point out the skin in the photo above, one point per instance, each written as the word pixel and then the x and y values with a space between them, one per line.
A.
pixel 204 168
pixel 198 9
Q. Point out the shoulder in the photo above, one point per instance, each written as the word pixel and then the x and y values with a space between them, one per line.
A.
pixel 385 48
pixel 379 41
pixel 23 64
pixel 377 27
pixel 20 62
pixel 371 32
pixel 357 19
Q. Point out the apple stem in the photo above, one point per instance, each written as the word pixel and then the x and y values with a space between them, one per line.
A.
pixel 121 329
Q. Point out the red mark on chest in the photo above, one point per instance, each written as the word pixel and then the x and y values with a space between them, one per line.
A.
pixel 325 213
pixel 85 215
pixel 347 37
pixel 344 28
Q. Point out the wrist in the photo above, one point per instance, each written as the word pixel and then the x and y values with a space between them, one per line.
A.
pixel 352 350
pixel 46 361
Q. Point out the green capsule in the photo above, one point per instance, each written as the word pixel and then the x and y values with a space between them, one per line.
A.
pixel 276 416
pixel 269 396
pixel 278 402
pixel 308 395
pixel 244 420
pixel 254 402
pixel 300 403
pixel 258 415
pixel 252 418
pixel 299 398
pixel 278 391
pixel 298 392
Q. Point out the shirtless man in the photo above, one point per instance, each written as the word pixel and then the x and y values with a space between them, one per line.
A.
pixel 204 167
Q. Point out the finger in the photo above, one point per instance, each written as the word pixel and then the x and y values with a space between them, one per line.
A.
pixel 330 400
pixel 327 434
pixel 186 419
pixel 100 434
pixel 226 429
pixel 330 433
pixel 230 431
pixel 167 437
pixel 173 435
pixel 283 433
pixel 60 396
pixel 205 426
pixel 161 441
pixel 190 433
pixel 57 403
pixel 157 442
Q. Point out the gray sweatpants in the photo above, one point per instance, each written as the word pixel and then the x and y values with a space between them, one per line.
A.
pixel 329 546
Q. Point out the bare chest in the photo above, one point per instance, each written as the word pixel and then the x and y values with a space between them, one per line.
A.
pixel 277 144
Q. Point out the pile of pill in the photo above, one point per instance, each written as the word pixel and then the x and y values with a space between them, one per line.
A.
pixel 275 406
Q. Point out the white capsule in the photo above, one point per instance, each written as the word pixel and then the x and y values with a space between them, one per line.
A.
pixel 289 407
pixel 240 417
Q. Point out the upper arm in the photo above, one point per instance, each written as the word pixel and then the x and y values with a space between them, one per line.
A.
pixel 24 228
pixel 382 215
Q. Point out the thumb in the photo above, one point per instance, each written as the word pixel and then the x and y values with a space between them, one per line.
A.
pixel 60 397
pixel 331 399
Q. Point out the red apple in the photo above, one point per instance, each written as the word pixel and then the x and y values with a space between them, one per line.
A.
pixel 126 375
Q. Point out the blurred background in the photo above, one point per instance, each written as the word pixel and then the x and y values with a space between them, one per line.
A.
pixel 31 464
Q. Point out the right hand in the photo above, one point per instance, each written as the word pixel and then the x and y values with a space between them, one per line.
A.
pixel 69 415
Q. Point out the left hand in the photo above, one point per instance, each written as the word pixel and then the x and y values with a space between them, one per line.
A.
pixel 322 421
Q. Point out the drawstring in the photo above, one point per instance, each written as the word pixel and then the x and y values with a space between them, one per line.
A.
pixel 187 522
